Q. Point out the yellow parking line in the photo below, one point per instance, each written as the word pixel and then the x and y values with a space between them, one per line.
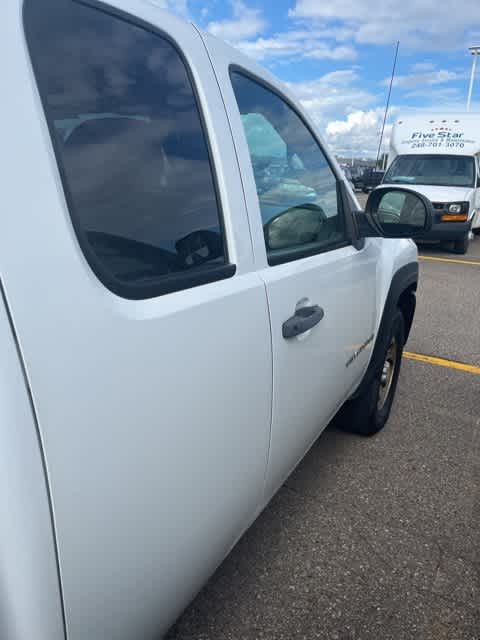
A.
pixel 435 259
pixel 443 362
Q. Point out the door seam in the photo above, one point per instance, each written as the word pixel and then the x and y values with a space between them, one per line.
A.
pixel 41 450
pixel 272 391
pixel 231 135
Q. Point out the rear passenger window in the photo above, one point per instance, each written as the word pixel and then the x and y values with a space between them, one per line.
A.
pixel 131 149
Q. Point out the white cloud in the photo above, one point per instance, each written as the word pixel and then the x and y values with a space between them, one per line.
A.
pixel 440 95
pixel 452 104
pixel 359 132
pixel 420 24
pixel 295 44
pixel 425 79
pixel 422 67
pixel 246 28
pixel 358 120
pixel 323 51
pixel 333 94
pixel 335 101
pixel 342 78
pixel 344 111
pixel 349 116
pixel 245 23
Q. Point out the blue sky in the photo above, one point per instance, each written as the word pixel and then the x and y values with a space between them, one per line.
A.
pixel 337 55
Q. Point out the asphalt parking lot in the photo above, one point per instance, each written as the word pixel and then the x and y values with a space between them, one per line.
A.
pixel 380 537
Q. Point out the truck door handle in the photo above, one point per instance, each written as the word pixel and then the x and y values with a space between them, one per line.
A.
pixel 304 319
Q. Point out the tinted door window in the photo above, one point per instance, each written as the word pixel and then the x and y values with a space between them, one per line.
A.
pixel 131 148
pixel 296 187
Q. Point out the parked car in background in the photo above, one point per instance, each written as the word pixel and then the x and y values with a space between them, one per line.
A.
pixel 358 182
pixel 438 154
pixel 357 173
pixel 348 175
pixel 371 178
pixel 189 295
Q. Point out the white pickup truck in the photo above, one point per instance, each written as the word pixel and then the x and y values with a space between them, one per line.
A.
pixel 189 295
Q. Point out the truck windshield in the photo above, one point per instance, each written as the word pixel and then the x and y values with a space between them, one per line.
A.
pixel 440 170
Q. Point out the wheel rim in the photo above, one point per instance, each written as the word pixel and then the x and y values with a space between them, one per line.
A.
pixel 387 375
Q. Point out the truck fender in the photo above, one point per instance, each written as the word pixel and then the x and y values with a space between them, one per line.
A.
pixel 401 295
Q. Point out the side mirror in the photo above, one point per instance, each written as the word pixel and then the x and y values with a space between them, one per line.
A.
pixel 395 212
pixel 294 227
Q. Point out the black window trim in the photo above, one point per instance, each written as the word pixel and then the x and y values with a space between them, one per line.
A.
pixel 164 284
pixel 298 254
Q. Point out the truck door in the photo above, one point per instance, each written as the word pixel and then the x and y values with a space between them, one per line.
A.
pixel 320 289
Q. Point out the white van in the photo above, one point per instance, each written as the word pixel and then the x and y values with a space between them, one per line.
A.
pixel 440 155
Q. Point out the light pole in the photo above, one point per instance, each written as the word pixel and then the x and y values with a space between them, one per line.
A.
pixel 475 51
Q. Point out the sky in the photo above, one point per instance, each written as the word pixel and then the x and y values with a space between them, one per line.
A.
pixel 337 56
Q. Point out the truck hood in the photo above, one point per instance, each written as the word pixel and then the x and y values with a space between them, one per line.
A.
pixel 438 194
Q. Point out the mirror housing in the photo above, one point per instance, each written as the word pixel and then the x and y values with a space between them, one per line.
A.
pixel 395 212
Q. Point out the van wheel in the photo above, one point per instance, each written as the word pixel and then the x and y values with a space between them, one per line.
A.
pixel 460 246
pixel 368 414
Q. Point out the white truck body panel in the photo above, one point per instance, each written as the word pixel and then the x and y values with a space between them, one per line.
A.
pixel 164 424
pixel 452 133
pixel 155 445
pixel 30 597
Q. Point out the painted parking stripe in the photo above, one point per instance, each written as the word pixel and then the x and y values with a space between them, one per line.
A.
pixel 443 362
pixel 435 259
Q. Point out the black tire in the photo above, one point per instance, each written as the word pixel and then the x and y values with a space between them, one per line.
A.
pixel 460 246
pixel 367 414
pixel 476 231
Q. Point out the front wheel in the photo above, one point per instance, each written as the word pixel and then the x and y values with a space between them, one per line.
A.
pixel 367 414
pixel 461 245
